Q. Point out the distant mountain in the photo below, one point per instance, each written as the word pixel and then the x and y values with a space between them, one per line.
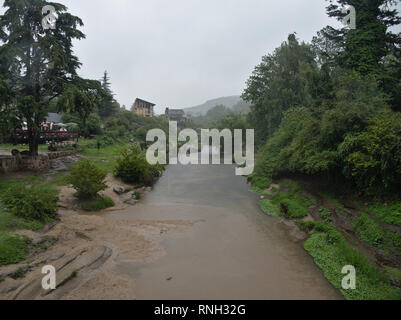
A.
pixel 202 109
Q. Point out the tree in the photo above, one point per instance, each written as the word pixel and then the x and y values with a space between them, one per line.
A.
pixel 39 65
pixel 364 47
pixel 277 84
pixel 109 105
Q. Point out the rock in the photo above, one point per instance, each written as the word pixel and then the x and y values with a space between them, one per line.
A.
pixel 119 190
pixel 58 165
pixel 56 257
pixel 131 202
pixel 262 197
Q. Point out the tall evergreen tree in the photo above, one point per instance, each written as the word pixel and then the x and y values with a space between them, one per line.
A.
pixel 364 47
pixel 109 105
pixel 38 65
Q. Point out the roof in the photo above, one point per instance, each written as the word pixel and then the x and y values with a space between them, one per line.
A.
pixel 53 117
pixel 140 100
pixel 175 112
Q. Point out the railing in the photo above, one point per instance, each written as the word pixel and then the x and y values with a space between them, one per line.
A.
pixel 45 136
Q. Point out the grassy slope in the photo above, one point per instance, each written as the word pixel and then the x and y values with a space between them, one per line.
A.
pixel 329 248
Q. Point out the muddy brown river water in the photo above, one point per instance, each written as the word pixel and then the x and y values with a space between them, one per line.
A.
pixel 232 251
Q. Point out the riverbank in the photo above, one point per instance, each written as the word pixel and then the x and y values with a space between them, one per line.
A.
pixel 343 230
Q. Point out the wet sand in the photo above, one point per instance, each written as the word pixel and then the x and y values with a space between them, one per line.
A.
pixel 231 250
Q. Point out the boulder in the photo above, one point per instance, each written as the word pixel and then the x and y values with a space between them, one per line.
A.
pixel 119 190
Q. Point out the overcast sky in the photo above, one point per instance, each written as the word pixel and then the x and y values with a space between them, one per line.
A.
pixel 180 53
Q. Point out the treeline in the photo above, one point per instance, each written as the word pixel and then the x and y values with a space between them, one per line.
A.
pixel 110 123
pixel 331 108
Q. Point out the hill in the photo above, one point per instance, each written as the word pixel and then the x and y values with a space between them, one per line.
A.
pixel 202 109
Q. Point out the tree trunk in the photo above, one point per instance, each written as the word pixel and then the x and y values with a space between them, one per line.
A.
pixel 33 138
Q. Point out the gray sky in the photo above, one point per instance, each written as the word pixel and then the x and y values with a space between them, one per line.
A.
pixel 180 53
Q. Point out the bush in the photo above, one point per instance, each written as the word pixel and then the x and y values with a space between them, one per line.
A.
pixel 260 183
pixel 133 168
pixel 87 179
pixel 293 209
pixel 97 204
pixel 31 203
pixel 373 157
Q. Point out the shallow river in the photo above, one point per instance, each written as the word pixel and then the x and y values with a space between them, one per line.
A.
pixel 233 251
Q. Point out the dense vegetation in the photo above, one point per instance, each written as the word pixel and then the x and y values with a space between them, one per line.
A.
pixel 326 110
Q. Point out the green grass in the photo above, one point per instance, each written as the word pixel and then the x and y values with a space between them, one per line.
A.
pixel 390 213
pixel 293 209
pixel 259 184
pixel 325 214
pixel 105 158
pixel 331 253
pixel 13 248
pixel 269 208
pixel 97 204
pixel 9 222
pixel 372 233
pixel 394 274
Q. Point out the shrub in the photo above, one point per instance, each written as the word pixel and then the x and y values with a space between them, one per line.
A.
pixel 97 204
pixel 87 179
pixel 132 167
pixel 325 214
pixel 293 209
pixel 261 183
pixel 31 203
pixel 373 157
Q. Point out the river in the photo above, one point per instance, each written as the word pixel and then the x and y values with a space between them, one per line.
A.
pixel 232 251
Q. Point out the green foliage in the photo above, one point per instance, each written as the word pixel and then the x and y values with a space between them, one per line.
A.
pixel 88 126
pixel 13 248
pixel 325 214
pixel 132 167
pixel 97 204
pixel 40 65
pixel 389 213
pixel 87 179
pixel 281 81
pixel 370 231
pixel 10 222
pixel 372 158
pixel 269 208
pixel 31 203
pixel 331 253
pixel 293 209
pixel 260 183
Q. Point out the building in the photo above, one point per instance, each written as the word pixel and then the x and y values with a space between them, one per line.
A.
pixel 143 108
pixel 175 115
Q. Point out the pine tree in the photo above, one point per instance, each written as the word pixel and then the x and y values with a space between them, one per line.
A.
pixel 364 47
pixel 38 65
pixel 109 105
